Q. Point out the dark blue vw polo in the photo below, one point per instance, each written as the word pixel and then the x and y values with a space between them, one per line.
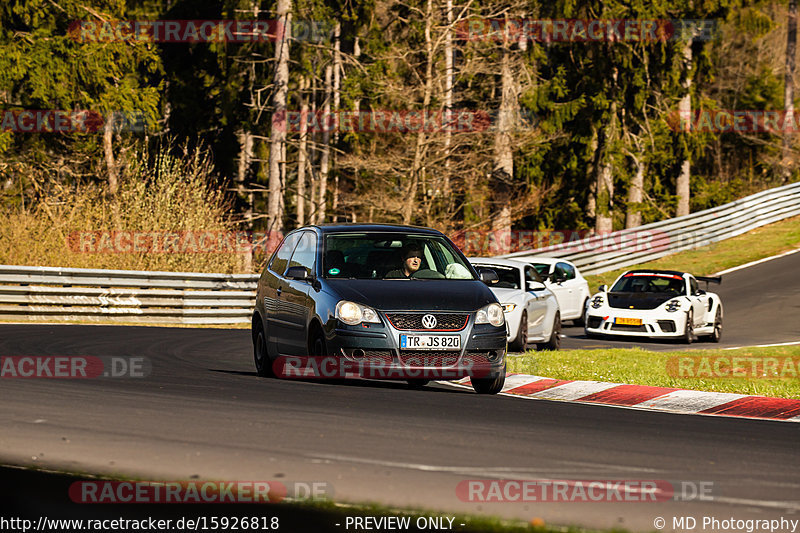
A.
pixel 402 298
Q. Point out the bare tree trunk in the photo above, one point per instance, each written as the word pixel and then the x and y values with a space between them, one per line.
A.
pixel 591 202
pixel 278 132
pixel 604 201
pixel 685 111
pixel 324 163
pixel 245 139
pixel 448 97
pixel 788 94
pixel 312 156
pixel 418 168
pixel 337 77
pixel 633 216
pixel 301 154
pixel 108 149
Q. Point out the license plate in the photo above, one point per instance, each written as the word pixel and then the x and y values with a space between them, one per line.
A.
pixel 430 342
pixel 629 321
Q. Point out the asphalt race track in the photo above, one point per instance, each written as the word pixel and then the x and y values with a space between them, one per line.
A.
pixel 202 413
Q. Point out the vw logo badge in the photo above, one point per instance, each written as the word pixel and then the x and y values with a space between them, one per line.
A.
pixel 429 321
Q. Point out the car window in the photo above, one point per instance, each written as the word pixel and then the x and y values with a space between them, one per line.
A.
pixel 306 252
pixel 508 277
pixel 565 271
pixel 532 275
pixel 380 256
pixel 694 286
pixel 652 283
pixel 281 258
pixel 542 269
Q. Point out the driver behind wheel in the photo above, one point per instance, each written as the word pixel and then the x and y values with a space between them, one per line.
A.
pixel 412 261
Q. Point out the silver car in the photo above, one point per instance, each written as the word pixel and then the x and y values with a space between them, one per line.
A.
pixel 531 309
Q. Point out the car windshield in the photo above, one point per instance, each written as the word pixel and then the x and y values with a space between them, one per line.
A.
pixel 542 269
pixel 392 256
pixel 652 283
pixel 508 277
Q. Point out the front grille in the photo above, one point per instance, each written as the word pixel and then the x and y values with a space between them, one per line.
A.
pixel 626 327
pixel 413 321
pixel 477 357
pixel 373 356
pixel 428 358
pixel 593 322
pixel 667 326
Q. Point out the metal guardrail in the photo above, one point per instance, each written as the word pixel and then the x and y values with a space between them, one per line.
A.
pixel 620 249
pixel 36 294
pixel 51 294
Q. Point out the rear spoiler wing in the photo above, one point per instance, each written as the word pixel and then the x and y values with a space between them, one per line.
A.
pixel 710 279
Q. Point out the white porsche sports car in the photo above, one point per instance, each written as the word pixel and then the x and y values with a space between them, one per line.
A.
pixel 656 303
pixel 530 308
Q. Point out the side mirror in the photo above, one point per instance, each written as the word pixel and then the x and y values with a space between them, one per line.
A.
pixel 602 288
pixel 535 286
pixel 488 276
pixel 298 273
pixel 700 292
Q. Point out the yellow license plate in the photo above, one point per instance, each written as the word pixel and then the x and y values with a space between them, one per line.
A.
pixel 629 321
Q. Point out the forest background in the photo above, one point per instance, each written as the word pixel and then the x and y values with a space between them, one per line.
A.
pixel 533 121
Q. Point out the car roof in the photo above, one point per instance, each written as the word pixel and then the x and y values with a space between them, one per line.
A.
pixel 548 260
pixel 372 228
pixel 498 261
pixel 653 271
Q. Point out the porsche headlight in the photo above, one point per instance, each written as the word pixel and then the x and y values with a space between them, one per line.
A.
pixel 352 313
pixel 491 314
pixel 507 308
pixel 672 306
pixel 597 302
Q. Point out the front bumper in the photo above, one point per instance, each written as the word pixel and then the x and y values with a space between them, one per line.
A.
pixel 375 350
pixel 656 325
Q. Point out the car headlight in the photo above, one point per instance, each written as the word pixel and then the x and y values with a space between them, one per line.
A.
pixel 507 308
pixel 352 313
pixel 491 314
pixel 597 302
pixel 673 305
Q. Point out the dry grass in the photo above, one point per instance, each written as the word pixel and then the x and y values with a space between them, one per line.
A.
pixel 168 195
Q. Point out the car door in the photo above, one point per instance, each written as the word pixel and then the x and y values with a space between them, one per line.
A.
pixel 273 292
pixel 573 286
pixel 560 287
pixel 537 305
pixel 296 303
pixel 698 302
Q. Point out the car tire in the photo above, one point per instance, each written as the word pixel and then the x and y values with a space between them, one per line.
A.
pixel 489 385
pixel 688 330
pixel 716 335
pixel 417 384
pixel 316 343
pixel 260 354
pixel 581 320
pixel 520 343
pixel 555 337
